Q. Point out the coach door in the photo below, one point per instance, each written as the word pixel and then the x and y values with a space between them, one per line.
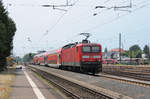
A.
pixel 58 59
pixel 45 60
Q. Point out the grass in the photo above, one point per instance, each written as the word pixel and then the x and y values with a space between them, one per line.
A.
pixel 6 80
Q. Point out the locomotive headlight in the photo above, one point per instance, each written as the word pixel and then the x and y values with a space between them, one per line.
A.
pixel 85 56
pixel 96 57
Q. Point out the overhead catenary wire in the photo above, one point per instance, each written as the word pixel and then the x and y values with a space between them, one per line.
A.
pixel 117 18
pixel 59 19
pixel 115 8
pixel 139 7
pixel 83 18
pixel 57 22
pixel 113 20
pixel 53 6
pixel 53 26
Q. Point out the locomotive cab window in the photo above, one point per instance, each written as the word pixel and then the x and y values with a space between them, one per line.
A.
pixel 86 49
pixel 95 49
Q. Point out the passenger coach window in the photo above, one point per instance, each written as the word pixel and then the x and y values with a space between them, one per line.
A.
pixel 86 49
pixel 95 49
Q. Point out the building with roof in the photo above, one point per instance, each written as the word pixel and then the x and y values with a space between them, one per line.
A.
pixel 113 53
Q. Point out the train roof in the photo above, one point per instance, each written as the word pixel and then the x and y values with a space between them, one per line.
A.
pixel 79 44
pixel 94 44
pixel 38 55
pixel 48 52
pixel 70 45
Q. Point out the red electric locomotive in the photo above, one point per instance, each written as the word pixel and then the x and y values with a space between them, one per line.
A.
pixel 36 60
pixel 84 56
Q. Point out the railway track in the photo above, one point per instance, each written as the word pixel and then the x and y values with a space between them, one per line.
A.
pixel 126 80
pixel 134 75
pixel 135 72
pixel 71 89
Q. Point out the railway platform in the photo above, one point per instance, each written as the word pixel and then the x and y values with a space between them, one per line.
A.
pixel 28 86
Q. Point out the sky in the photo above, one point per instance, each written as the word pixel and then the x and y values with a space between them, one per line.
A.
pixel 45 28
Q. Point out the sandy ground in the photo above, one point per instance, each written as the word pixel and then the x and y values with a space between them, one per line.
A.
pixel 6 80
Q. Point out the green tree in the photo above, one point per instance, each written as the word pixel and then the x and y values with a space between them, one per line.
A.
pixel 126 54
pixel 28 57
pixel 135 51
pixel 17 59
pixel 105 50
pixel 146 51
pixel 7 31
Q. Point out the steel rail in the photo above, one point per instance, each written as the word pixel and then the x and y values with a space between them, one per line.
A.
pixel 127 79
pixel 135 72
pixel 43 75
pixel 138 76
pixel 73 90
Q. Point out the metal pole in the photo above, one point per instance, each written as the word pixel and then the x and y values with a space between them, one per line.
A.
pixel 120 46
pixel 66 2
pixel 149 53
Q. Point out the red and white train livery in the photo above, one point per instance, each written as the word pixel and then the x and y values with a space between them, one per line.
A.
pixel 86 57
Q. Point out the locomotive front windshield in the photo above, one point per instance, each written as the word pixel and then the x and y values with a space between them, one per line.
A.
pixel 88 49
